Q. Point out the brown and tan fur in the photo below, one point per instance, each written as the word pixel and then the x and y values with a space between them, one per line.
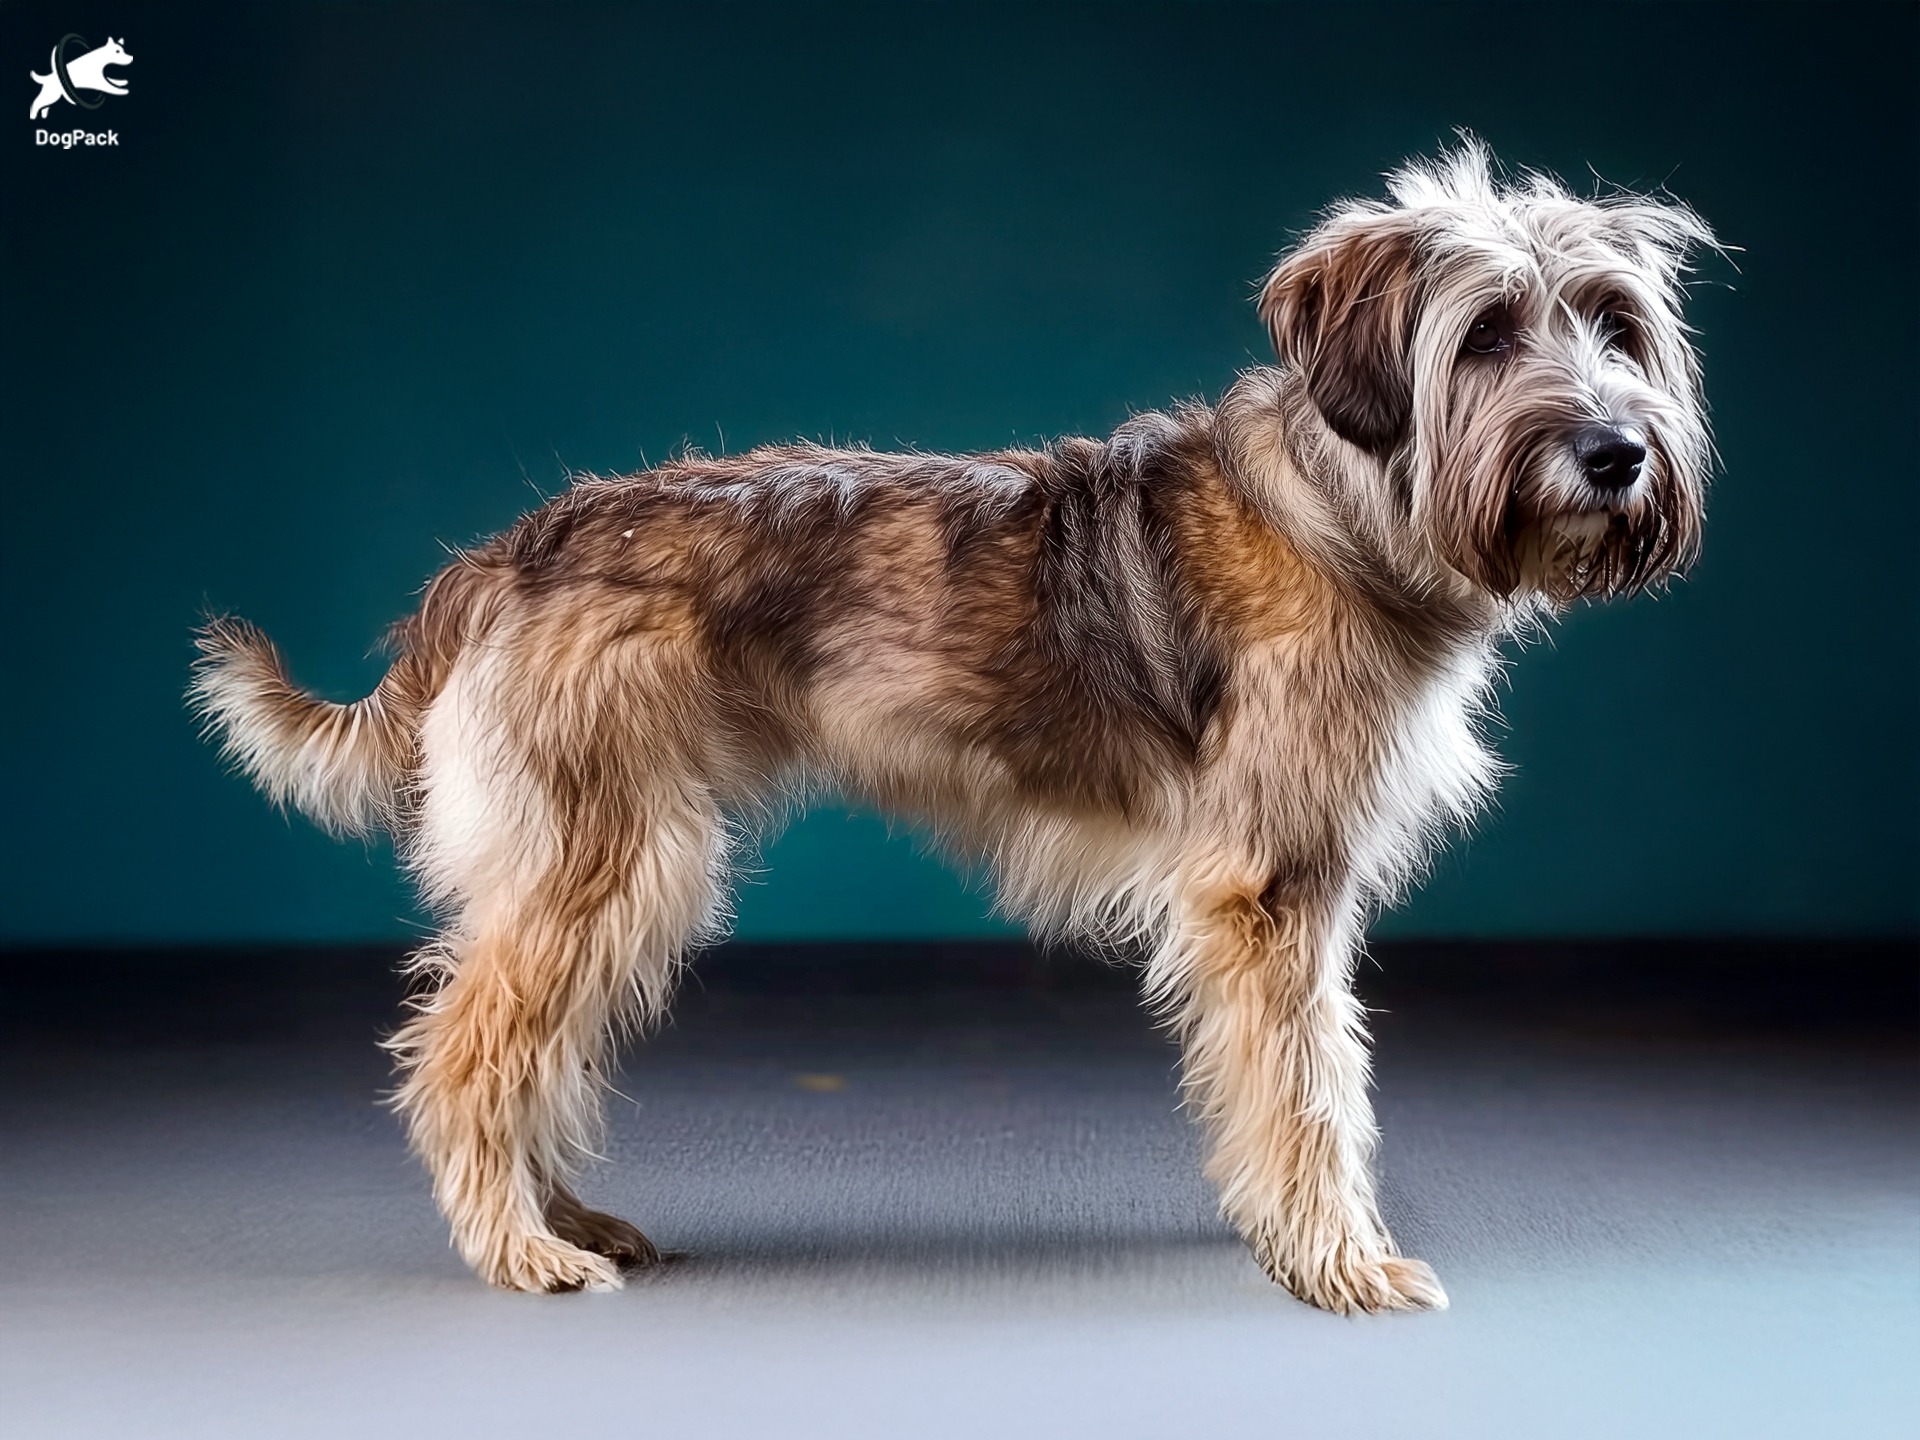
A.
pixel 1208 687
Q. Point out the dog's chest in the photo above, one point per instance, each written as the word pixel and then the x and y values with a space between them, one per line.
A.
pixel 1431 773
pixel 1368 761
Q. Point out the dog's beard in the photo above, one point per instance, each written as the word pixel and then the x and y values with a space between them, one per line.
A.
pixel 1522 524
pixel 1523 521
pixel 1569 541
pixel 1563 557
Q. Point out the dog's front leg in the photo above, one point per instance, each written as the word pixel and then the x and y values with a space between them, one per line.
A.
pixel 1276 1066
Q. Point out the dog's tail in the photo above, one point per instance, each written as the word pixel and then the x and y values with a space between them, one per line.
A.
pixel 341 765
pixel 344 766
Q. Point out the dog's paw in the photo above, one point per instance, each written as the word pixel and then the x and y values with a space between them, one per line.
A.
pixel 1408 1284
pixel 601 1233
pixel 545 1263
pixel 1353 1278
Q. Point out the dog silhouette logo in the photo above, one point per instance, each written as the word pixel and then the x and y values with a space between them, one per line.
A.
pixel 70 79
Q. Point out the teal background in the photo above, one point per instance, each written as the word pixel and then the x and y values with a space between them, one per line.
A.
pixel 359 280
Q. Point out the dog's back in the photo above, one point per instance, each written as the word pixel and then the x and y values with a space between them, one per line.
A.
pixel 800 611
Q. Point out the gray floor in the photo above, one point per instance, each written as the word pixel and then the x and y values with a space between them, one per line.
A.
pixel 962 1214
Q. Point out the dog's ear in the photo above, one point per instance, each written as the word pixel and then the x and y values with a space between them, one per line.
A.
pixel 1340 310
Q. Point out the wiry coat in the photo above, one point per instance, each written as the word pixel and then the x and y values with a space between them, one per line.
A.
pixel 1209 686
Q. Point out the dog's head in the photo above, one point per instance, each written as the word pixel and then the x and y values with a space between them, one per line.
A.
pixel 1516 360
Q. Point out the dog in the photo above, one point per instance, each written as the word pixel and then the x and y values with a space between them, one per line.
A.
pixel 88 72
pixel 1210 689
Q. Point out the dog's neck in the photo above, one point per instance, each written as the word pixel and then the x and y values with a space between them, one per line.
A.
pixel 1339 508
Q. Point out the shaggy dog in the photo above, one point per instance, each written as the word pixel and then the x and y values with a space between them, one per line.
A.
pixel 1207 688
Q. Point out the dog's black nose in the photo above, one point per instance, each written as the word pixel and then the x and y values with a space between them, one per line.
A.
pixel 1610 458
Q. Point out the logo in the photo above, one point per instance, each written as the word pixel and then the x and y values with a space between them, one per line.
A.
pixel 70 80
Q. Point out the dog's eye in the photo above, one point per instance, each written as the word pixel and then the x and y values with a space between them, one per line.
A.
pixel 1491 333
pixel 1616 329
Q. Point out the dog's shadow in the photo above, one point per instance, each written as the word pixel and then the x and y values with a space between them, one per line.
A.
pixel 883 1254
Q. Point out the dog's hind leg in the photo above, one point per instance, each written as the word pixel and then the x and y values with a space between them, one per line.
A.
pixel 579 901
pixel 49 92
pixel 1254 974
pixel 505 1062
